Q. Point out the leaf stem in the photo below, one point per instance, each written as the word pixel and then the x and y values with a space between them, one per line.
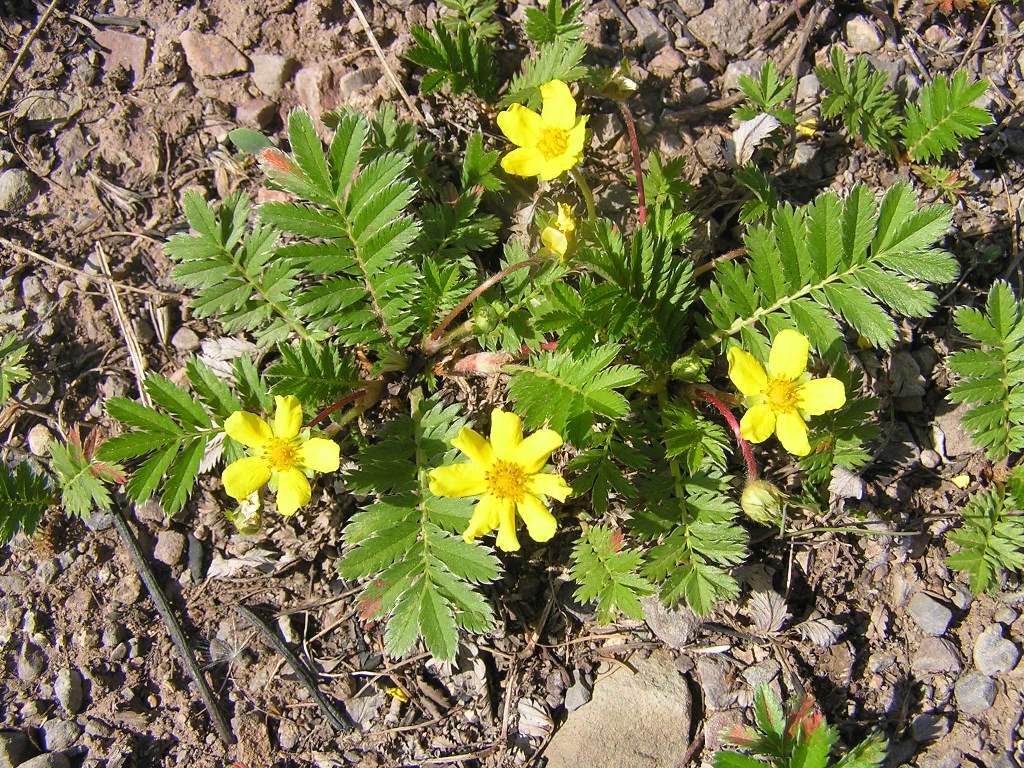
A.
pixel 430 344
pixel 634 146
pixel 722 408
pixel 335 406
pixel 588 194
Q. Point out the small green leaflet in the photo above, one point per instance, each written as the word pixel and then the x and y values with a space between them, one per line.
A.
pixel 24 497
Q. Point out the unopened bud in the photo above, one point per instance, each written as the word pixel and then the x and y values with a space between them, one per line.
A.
pixel 762 502
pixel 485 318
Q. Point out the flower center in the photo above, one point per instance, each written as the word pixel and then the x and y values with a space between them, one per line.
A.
pixel 281 454
pixel 553 142
pixel 781 394
pixel 506 480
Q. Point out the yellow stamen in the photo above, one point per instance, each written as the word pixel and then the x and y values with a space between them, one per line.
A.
pixel 781 394
pixel 281 454
pixel 553 142
pixel 506 480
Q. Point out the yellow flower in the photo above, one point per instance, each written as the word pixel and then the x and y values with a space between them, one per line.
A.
pixel 549 144
pixel 558 237
pixel 506 474
pixel 808 128
pixel 781 399
pixel 282 456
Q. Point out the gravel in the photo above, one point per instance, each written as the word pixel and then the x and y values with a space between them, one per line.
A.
pixel 14 748
pixel 211 55
pixel 931 615
pixel 38 439
pixel 975 693
pixel 728 24
pixel 649 30
pixel 936 655
pixel 929 727
pixel 170 546
pixel 862 35
pixel 51 760
pixel 993 653
pixel 16 189
pixel 59 735
pixel 68 689
pixel 185 340
pixel 271 71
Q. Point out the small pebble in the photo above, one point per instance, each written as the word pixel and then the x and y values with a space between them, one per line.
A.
pixel 975 692
pixel 68 690
pixel 185 340
pixel 862 35
pixel 993 653
pixel 51 760
pixel 935 655
pixel 929 727
pixel 931 615
pixel 930 459
pixel 39 438
pixel 170 546
pixel 14 748
pixel 59 735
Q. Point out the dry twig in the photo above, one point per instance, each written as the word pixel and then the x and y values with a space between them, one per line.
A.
pixel 24 46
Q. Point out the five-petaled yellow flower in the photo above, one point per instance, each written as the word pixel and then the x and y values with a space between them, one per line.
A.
pixel 282 456
pixel 559 236
pixel 781 399
pixel 549 144
pixel 506 474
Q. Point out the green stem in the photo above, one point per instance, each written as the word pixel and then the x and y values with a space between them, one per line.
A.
pixel 588 194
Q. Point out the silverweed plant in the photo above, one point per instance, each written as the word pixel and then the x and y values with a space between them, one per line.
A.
pixel 622 380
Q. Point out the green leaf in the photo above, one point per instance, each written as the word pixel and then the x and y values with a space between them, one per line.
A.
pixel 991 378
pixel 24 497
pixel 607 573
pixel 558 60
pixel 862 96
pixel 453 54
pixel 315 375
pixel 943 116
pixel 555 22
pixel 249 141
pixel 82 478
pixel 12 352
pixel 990 542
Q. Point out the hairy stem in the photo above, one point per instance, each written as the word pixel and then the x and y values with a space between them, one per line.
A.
pixel 588 194
pixel 722 408
pixel 634 146
pixel 335 406
pixel 430 344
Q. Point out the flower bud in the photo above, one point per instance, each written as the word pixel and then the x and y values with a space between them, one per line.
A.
pixel 485 317
pixel 762 502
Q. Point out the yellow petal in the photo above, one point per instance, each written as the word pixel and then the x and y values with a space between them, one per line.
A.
pixel 576 139
pixel 521 125
pixel 746 373
pixel 820 395
pixel 534 452
pixel 248 429
pixel 758 424
pixel 788 356
pixel 553 167
pixel 458 480
pixel 554 240
pixel 540 523
pixel 287 416
pixel 472 443
pixel 559 108
pixel 792 433
pixel 547 484
pixel 244 477
pixel 565 221
pixel 320 454
pixel 506 539
pixel 506 434
pixel 525 161
pixel 292 491
pixel 484 519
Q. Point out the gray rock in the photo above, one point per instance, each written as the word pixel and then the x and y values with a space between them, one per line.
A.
pixel 929 727
pixel 59 735
pixel 39 438
pixel 14 748
pixel 48 571
pixel 37 391
pixel 862 35
pixel 30 663
pixel 733 72
pixel 649 30
pixel 170 546
pixel 98 520
pixel 930 459
pixel 288 735
pixel 604 733
pixel 715 676
pixel 43 109
pixel 931 615
pixel 578 694
pixel 124 50
pixel 697 91
pixel 258 113
pixel 210 55
pixel 675 627
pixel 666 63
pixel 1006 615
pixel 185 340
pixel 761 674
pixel 808 88
pixel 68 690
pixel 975 692
pixel 357 81
pixel 691 7
pixel 993 653
pixel 936 656
pixel 51 760
pixel 728 24
pixel 271 71
pixel 905 375
pixel 16 189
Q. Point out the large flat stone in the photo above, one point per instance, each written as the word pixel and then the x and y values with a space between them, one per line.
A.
pixel 637 720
